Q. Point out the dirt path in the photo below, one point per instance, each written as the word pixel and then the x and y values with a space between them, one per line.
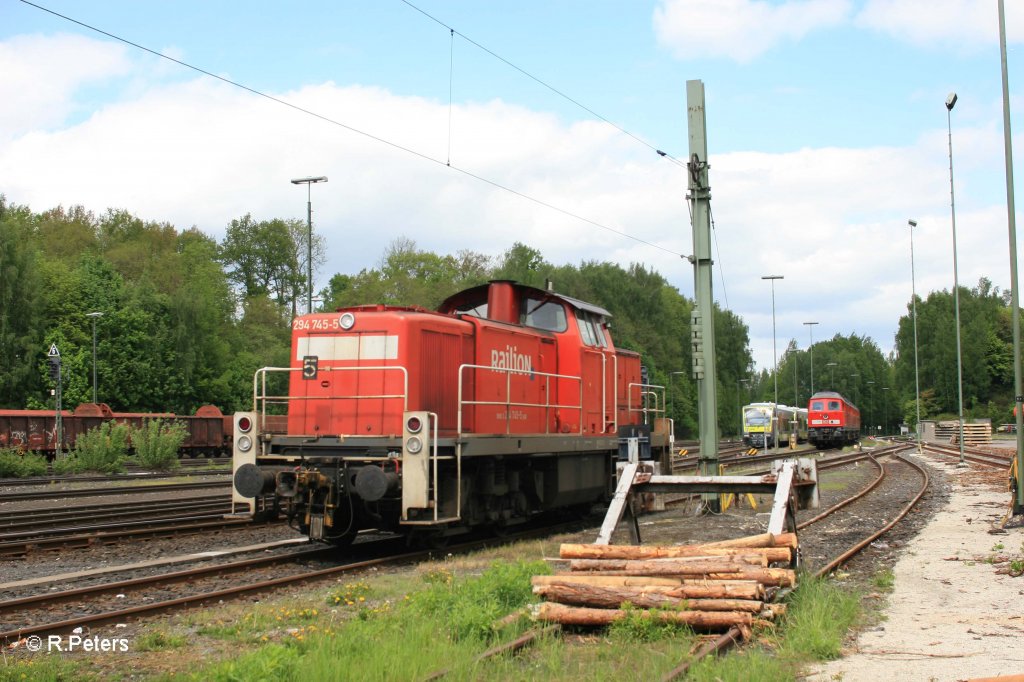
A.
pixel 950 616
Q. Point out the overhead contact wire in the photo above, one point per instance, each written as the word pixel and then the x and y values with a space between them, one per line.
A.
pixel 365 134
pixel 451 76
pixel 533 78
pixel 721 268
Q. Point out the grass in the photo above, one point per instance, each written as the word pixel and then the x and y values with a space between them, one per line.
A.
pixel 42 668
pixel 404 630
pixel 440 616
pixel 160 640
pixel 884 580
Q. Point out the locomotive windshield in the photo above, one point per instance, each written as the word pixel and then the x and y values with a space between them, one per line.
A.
pixel 755 418
pixel 473 310
pixel 834 405
pixel 818 405
pixel 543 314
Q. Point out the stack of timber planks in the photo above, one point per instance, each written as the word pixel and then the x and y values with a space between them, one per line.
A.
pixel 710 587
pixel 974 434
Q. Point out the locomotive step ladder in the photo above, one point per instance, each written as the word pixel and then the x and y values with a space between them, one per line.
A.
pixel 793 483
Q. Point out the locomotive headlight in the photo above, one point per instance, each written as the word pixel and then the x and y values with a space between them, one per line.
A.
pixel 244 443
pixel 413 445
pixel 347 320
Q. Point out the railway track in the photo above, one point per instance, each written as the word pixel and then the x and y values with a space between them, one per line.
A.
pixel 76 537
pixel 975 455
pixel 47 517
pixel 141 476
pixel 55 493
pixel 54 612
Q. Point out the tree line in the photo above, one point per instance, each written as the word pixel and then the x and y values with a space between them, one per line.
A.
pixel 186 320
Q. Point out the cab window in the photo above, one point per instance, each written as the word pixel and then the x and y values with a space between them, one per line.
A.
pixel 542 314
pixel 817 405
pixel 833 404
pixel 478 310
pixel 591 329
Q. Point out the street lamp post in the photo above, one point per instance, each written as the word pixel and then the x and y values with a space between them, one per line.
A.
pixel 871 399
pixel 833 366
pixel 913 302
pixel 796 377
pixel 810 349
pixel 308 182
pixel 885 408
pixel 856 376
pixel 950 103
pixel 775 363
pixel 94 316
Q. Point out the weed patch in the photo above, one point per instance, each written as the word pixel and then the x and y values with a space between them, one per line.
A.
pixel 156 443
pixel 102 449
pixel 17 464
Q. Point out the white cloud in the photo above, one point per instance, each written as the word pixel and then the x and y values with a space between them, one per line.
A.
pixel 961 24
pixel 832 220
pixel 740 30
pixel 40 75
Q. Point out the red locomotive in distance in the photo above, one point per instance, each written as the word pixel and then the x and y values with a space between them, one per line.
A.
pixel 832 420
pixel 506 402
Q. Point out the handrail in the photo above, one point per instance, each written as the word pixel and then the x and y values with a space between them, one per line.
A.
pixel 646 391
pixel 432 416
pixel 508 404
pixel 260 399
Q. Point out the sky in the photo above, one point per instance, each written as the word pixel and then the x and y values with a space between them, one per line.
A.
pixel 538 122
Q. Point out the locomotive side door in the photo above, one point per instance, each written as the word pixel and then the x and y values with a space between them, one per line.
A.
pixel 597 372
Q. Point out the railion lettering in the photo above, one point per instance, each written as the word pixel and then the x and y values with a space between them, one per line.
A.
pixel 511 359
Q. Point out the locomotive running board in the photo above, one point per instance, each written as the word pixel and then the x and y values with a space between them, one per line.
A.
pixel 790 478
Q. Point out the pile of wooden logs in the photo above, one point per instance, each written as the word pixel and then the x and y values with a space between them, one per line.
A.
pixel 711 587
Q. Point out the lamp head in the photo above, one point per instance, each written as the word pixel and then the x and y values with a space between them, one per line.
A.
pixel 951 101
pixel 912 223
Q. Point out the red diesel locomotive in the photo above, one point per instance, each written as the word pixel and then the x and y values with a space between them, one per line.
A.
pixel 832 420
pixel 506 402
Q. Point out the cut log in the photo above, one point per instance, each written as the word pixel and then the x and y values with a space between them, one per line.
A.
pixel 772 577
pixel 612 580
pixel 762 540
pixel 613 598
pixel 719 590
pixel 684 566
pixel 704 620
pixel 581 551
